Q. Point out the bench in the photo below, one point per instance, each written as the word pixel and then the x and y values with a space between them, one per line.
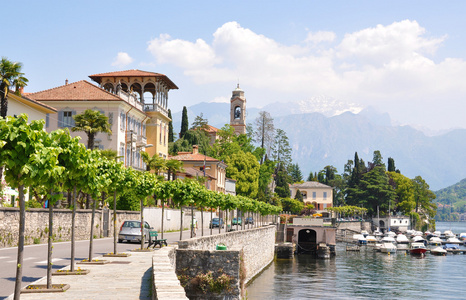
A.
pixel 154 241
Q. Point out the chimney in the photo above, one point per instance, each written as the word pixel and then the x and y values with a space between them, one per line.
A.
pixel 195 149
pixel 66 81
pixel 21 90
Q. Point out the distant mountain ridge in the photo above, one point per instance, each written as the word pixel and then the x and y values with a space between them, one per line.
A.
pixel 318 140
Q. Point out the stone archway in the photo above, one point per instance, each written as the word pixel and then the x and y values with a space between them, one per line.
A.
pixel 307 241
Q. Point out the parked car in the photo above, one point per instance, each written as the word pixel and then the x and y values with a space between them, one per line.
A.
pixel 216 222
pixel 131 231
pixel 236 221
pixel 249 220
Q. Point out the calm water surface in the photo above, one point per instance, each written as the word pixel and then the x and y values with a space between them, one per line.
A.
pixel 365 275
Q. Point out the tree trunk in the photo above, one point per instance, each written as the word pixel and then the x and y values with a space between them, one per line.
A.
pixel 88 201
pixel 211 223
pixel 181 221
pixel 219 223
pixel 49 247
pixel 163 207
pixel 73 224
pixel 115 237
pixel 19 264
pixel 192 221
pixel 202 222
pixel 142 223
pixel 92 230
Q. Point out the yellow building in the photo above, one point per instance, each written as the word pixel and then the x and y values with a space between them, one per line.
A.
pixel 135 102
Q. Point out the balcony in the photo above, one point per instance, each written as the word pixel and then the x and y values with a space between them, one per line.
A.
pixel 130 98
pixel 141 141
pixel 131 136
pixel 155 107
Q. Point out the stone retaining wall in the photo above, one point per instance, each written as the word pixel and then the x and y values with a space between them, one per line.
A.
pixel 253 248
pixel 355 225
pixel 36 229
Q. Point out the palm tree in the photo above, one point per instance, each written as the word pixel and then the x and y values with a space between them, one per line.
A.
pixel 91 122
pixel 174 166
pixel 10 75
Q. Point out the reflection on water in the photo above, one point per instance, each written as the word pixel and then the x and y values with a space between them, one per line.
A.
pixel 364 275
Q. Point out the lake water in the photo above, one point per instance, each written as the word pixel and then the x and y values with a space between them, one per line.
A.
pixel 365 275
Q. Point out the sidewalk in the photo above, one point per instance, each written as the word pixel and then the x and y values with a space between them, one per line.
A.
pixel 115 280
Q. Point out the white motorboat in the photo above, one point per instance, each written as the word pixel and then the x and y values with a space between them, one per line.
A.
pixel 437 233
pixel 371 239
pixel 438 251
pixel 360 238
pixel 402 239
pixel 463 236
pixel 390 234
pixel 453 240
pixel 388 239
pixel 365 233
pixel 448 234
pixel 418 239
pixel 417 249
pixel 388 248
pixel 435 241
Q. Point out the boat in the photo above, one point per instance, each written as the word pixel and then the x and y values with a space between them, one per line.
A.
pixel 390 234
pixel 402 239
pixel 371 239
pixel 419 239
pixel 463 236
pixel 388 248
pixel 360 238
pixel 435 241
pixel 448 234
pixel 437 233
pixel 451 247
pixel 388 239
pixel 453 240
pixel 438 251
pixel 417 249
pixel 365 233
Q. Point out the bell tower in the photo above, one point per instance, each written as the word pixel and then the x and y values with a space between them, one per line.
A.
pixel 238 111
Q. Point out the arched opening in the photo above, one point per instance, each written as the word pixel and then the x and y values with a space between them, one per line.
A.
pixel 124 87
pixel 108 87
pixel 136 87
pixel 307 241
pixel 381 224
pixel 237 112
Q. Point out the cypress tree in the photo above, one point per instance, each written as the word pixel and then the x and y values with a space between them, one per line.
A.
pixel 170 127
pixel 184 122
pixel 391 165
pixel 298 195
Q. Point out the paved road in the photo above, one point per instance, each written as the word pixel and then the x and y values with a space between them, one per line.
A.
pixel 35 257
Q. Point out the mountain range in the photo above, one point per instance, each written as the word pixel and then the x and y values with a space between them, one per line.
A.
pixel 330 137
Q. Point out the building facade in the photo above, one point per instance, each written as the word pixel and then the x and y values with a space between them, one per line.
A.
pixel 214 170
pixel 315 193
pixel 135 102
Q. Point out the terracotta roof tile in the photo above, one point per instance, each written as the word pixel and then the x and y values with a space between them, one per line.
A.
pixel 310 185
pixel 193 157
pixel 211 128
pixel 133 73
pixel 76 91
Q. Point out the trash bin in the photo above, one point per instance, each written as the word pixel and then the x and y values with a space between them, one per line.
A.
pixel 221 246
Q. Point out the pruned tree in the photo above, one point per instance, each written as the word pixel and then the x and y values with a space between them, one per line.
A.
pixel 184 122
pixel 171 136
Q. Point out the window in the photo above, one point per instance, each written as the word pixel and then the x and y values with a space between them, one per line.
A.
pixel 304 194
pixel 325 195
pixel 67 119
pixel 314 195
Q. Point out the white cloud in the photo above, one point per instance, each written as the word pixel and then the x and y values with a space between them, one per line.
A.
pixel 320 36
pixel 385 66
pixel 122 59
pixel 220 100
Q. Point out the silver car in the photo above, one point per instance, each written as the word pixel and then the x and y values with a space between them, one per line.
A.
pixel 131 231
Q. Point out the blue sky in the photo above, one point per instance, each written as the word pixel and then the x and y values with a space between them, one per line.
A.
pixel 406 58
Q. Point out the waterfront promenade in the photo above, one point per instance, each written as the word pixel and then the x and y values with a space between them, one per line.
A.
pixel 122 278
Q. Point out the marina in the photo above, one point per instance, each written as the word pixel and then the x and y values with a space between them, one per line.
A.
pixel 360 272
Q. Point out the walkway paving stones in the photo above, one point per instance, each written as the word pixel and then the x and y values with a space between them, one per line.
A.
pixel 115 280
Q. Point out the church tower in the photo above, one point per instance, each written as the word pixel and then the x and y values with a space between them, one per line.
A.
pixel 238 111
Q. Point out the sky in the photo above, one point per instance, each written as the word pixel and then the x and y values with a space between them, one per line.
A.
pixel 407 58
